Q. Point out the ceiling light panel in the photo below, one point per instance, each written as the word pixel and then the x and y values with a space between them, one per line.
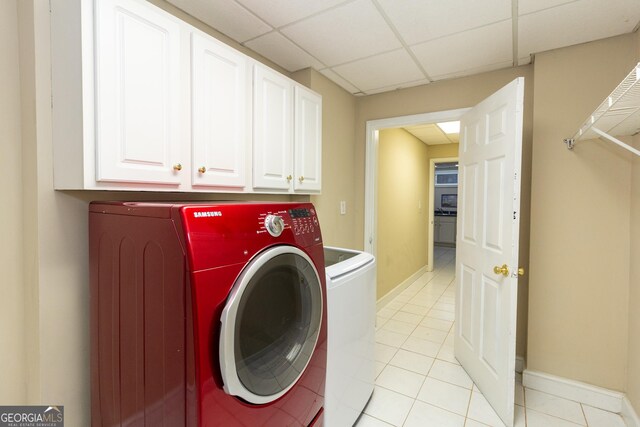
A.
pixel 466 52
pixel 449 127
pixel 353 31
pixel 283 12
pixel 226 16
pixel 381 70
pixel 283 52
pixel 421 20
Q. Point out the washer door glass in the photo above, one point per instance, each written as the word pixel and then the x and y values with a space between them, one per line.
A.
pixel 270 325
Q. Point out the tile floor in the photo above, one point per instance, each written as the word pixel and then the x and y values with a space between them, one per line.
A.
pixel 419 382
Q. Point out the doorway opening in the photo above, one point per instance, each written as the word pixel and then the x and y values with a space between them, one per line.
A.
pixel 443 205
pixel 372 187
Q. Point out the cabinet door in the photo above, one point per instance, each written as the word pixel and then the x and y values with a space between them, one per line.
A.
pixel 308 140
pixel 138 87
pixel 448 231
pixel 272 127
pixel 219 115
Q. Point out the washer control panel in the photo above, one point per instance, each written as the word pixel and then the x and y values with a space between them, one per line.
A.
pixel 274 224
pixel 303 221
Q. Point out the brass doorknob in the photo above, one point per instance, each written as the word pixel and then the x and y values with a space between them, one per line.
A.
pixel 177 167
pixel 504 270
pixel 202 169
pixel 521 271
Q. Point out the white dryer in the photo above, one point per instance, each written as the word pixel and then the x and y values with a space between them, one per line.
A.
pixel 351 316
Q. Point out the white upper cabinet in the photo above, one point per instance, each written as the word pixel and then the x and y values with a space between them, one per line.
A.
pixel 220 124
pixel 307 141
pixel 143 101
pixel 272 130
pixel 138 89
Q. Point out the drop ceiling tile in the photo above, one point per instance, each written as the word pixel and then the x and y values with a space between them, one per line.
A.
pixel 429 134
pixel 387 69
pixel 574 23
pixel 331 75
pixel 226 16
pixel 349 32
pixel 421 20
pixel 283 52
pixel 467 52
pixel 282 12
pixel 530 6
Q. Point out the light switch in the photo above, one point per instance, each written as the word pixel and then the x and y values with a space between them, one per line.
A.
pixel 343 207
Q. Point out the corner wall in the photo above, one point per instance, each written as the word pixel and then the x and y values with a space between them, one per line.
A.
pixel 580 220
pixel 633 370
pixel 403 191
pixel 13 388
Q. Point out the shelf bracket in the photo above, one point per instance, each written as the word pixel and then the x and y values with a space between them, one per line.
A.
pixel 570 143
pixel 616 141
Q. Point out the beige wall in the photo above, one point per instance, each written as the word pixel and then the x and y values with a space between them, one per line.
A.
pixel 403 179
pixel 338 158
pixel 580 220
pixel 448 95
pixel 633 371
pixel 13 388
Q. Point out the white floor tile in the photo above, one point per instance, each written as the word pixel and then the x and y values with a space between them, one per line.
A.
pixel 386 312
pixel 413 319
pixel 415 309
pixel 429 334
pixel 480 410
pixel 380 321
pixel 447 354
pixel 388 406
pixel 423 414
pixel 412 361
pixel 473 423
pixel 555 406
pixel 599 418
pixel 441 325
pixel 389 338
pixel 424 347
pixel 519 394
pixel 444 306
pixel 451 373
pixel 399 327
pixel 400 380
pixel 519 417
pixel 368 421
pixel 384 353
pixel 394 305
pixel 442 315
pixel 445 395
pixel 379 367
pixel 538 419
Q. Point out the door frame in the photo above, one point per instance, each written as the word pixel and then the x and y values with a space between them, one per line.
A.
pixel 373 128
pixel 431 205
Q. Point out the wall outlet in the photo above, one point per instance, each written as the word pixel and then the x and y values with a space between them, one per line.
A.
pixel 343 208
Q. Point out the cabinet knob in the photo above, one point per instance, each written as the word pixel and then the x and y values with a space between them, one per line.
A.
pixel 177 167
pixel 202 169
pixel 289 178
pixel 301 179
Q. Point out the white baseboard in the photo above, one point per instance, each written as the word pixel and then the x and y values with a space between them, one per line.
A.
pixel 519 364
pixel 401 287
pixel 577 391
pixel 629 414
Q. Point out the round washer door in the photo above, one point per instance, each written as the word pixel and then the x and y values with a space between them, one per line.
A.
pixel 270 325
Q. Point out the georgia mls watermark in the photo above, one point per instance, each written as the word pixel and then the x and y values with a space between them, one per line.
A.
pixel 31 416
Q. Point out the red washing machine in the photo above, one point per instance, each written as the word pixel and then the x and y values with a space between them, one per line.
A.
pixel 207 314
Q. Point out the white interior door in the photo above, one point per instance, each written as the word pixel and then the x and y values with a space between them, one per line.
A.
pixel 488 221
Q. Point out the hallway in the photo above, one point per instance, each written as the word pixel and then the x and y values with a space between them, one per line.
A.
pixel 419 382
